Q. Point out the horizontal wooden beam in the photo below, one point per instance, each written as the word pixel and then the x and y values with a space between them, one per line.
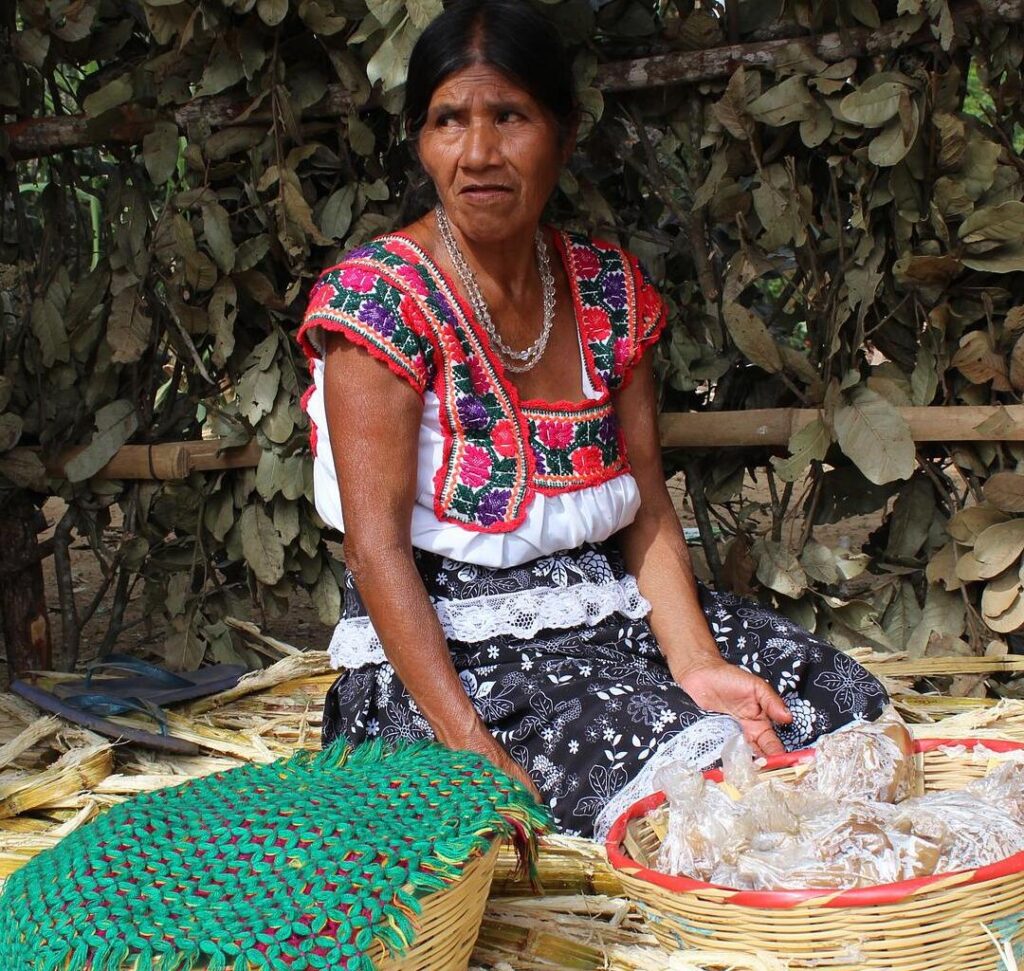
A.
pixel 689 67
pixel 708 429
pixel 775 426
pixel 129 124
pixel 169 460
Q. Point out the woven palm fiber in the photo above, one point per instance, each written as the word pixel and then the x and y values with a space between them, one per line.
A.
pixel 963 921
pixel 319 861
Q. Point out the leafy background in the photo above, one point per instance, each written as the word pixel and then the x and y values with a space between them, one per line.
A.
pixel 833 230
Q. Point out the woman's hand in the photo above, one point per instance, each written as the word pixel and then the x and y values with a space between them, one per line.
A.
pixel 726 688
pixel 479 739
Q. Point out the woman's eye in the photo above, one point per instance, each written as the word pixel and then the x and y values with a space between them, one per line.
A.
pixel 504 116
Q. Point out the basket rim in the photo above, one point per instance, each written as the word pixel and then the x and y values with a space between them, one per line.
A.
pixel 885 893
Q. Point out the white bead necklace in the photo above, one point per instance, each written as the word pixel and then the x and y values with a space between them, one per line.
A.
pixel 516 361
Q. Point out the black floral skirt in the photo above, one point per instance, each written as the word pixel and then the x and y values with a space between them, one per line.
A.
pixel 592 712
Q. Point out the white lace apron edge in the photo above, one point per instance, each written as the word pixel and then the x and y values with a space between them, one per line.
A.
pixel 355 642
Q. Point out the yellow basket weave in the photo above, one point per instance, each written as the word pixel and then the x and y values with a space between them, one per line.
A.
pixel 448 925
pixel 948 922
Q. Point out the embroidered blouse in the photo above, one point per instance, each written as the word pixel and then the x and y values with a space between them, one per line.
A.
pixel 500 480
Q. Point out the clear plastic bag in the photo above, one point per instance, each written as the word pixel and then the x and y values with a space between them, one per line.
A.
pixel 857 817
pixel 969 831
pixel 705 825
pixel 867 761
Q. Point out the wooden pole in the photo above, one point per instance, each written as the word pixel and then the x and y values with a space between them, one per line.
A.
pixel 688 67
pixel 128 124
pixel 22 590
pixel 775 426
pixel 709 429
pixel 169 460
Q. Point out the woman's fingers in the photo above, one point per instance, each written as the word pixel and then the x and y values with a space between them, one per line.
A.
pixel 772 705
pixel 762 738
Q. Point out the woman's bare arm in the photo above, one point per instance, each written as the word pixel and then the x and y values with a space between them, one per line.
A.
pixel 655 553
pixel 373 422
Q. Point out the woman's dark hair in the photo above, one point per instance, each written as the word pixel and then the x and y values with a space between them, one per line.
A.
pixel 508 35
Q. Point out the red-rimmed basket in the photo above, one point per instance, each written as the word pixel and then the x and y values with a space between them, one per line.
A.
pixel 947 922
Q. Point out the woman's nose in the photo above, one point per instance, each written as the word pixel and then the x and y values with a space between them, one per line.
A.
pixel 480 147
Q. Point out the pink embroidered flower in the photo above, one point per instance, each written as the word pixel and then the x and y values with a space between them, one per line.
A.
pixel 410 276
pixel 477 374
pixel 358 279
pixel 587 460
pixel 597 325
pixel 504 439
pixel 476 467
pixel 556 434
pixel 587 263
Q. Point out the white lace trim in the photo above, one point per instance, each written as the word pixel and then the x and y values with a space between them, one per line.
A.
pixel 521 615
pixel 698 746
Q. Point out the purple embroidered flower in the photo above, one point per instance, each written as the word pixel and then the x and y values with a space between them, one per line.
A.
pixel 378 317
pixel 360 253
pixel 472 413
pixel 609 428
pixel 538 456
pixel 613 288
pixel 444 307
pixel 492 507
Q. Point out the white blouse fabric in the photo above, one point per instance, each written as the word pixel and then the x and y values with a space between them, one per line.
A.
pixel 553 522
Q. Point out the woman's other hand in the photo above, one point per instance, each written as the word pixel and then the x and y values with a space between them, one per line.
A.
pixel 726 688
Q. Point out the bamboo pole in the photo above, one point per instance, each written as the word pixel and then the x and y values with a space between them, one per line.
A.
pixel 169 460
pixel 775 426
pixel 710 429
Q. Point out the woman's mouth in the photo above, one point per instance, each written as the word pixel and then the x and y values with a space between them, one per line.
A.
pixel 485 192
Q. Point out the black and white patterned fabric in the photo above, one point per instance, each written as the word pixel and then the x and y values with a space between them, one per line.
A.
pixel 592 712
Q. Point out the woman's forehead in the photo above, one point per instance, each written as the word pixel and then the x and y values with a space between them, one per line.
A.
pixel 478 81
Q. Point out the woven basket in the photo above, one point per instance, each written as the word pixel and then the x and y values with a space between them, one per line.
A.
pixel 936 923
pixel 448 925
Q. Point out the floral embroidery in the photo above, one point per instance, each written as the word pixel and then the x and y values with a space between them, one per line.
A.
pixel 391 299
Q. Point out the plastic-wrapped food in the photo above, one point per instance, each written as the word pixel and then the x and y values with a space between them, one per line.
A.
pixel 1003 787
pixel 705 825
pixel 855 818
pixel 969 831
pixel 867 761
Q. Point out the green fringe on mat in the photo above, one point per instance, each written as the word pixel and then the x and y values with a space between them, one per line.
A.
pixel 312 860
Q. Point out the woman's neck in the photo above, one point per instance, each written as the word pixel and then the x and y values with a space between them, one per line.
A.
pixel 507 266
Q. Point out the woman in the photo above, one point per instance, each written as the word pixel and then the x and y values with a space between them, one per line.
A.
pixel 483 405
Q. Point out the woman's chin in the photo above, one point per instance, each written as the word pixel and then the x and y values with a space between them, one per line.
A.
pixel 491 222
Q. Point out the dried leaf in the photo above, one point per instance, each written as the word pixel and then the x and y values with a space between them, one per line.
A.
pixel 1005 490
pixel 160 151
pixel 872 433
pixel 968 524
pixel 807 444
pixel 875 101
pixel 115 424
pixel 752 338
pixel 778 569
pixel 129 329
pixel 999 546
pixel 784 103
pixel 113 93
pixel 1000 594
pixel 942 568
pixel 23 468
pixel 979 363
pixel 261 545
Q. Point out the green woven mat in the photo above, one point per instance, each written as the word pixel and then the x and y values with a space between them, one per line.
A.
pixel 303 863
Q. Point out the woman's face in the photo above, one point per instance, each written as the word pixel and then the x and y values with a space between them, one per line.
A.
pixel 493 153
